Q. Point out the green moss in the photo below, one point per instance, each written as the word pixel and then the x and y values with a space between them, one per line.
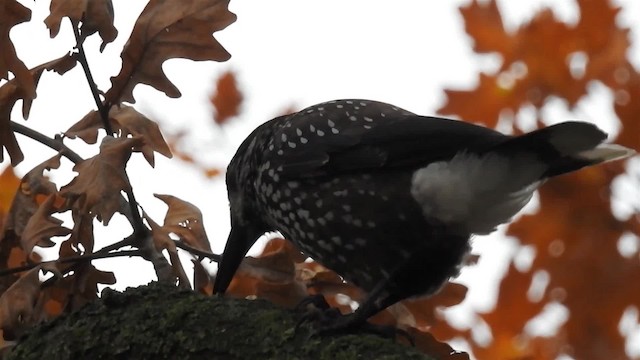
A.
pixel 163 322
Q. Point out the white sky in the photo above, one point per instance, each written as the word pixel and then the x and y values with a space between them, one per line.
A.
pixel 287 52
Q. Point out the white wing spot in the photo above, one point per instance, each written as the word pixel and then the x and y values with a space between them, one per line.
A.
pixel 320 133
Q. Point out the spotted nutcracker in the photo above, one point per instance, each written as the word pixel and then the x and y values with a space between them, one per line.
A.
pixel 386 198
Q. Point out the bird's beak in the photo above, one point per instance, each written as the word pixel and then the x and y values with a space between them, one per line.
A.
pixel 241 238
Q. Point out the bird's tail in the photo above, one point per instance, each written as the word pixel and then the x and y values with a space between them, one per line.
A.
pixel 567 146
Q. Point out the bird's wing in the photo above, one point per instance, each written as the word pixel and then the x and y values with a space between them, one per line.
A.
pixel 352 135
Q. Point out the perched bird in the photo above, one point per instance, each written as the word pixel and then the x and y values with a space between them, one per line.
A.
pixel 386 198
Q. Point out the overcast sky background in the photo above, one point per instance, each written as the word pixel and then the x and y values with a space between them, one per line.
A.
pixel 289 52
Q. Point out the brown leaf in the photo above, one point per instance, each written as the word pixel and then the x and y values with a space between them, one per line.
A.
pixel 272 275
pixel 162 241
pixel 34 188
pixel 101 178
pixel 127 121
pixel 166 30
pixel 227 98
pixel 202 281
pixel 185 220
pixel 41 227
pixel 11 14
pixel 81 240
pixel 96 16
pixel 440 350
pixel 13 91
pixel 17 304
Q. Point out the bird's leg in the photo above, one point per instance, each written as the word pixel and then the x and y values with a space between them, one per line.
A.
pixel 329 320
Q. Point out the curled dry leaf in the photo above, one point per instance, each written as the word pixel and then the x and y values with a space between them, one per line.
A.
pixel 81 240
pixel 17 304
pixel 13 91
pixel 11 14
pixel 34 188
pixel 271 276
pixel 96 16
pixel 185 220
pixel 41 227
pixel 162 241
pixel 165 30
pixel 202 281
pixel 127 121
pixel 100 179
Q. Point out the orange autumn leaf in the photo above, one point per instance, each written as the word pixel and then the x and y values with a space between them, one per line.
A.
pixel 227 98
pixel 101 178
pixel 9 183
pixel 166 30
pixel 575 235
pixel 96 16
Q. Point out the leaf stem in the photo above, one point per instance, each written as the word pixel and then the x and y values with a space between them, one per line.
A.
pixel 103 109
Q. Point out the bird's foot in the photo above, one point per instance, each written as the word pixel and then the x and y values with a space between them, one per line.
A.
pixel 325 320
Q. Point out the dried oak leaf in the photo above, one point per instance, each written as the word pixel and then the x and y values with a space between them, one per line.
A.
pixel 227 99
pixel 96 16
pixel 81 240
pixel 185 220
pixel 162 241
pixel 271 276
pixel 41 227
pixel 13 91
pixel 33 190
pixel 17 304
pixel 165 30
pixel 101 178
pixel 11 14
pixel 127 121
pixel 202 281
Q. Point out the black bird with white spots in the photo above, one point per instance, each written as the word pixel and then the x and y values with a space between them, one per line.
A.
pixel 386 198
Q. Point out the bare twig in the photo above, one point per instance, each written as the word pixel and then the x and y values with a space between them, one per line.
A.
pixel 55 144
pixel 71 259
pixel 200 253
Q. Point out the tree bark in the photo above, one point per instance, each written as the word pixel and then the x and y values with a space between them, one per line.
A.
pixel 163 322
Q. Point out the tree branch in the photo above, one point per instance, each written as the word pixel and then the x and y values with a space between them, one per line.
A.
pixel 201 253
pixel 103 109
pixel 71 259
pixel 55 144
